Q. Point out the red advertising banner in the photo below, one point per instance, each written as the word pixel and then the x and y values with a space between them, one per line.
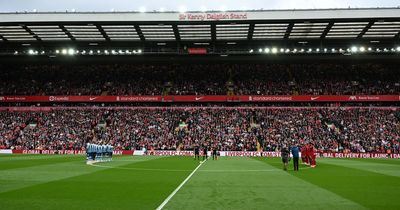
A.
pixel 205 98
pixel 190 153
pixel 357 155
pixel 198 51
pixel 65 152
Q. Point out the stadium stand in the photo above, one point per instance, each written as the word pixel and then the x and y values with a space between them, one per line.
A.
pixel 354 129
pixel 195 79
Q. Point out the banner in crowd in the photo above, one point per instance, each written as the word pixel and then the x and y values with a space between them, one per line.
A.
pixel 206 98
pixel 190 153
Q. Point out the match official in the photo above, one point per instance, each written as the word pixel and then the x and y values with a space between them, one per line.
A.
pixel 285 157
pixel 196 151
pixel 295 154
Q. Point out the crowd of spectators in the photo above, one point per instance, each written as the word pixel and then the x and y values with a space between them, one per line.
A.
pixel 231 129
pixel 200 79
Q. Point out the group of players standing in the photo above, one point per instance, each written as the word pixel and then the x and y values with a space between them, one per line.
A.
pixel 306 152
pixel 205 148
pixel 308 155
pixel 98 153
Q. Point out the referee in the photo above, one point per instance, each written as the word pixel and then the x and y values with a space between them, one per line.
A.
pixel 196 152
pixel 295 154
pixel 285 157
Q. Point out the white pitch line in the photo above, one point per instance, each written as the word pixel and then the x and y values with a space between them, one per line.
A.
pixel 140 169
pixel 179 187
pixel 182 170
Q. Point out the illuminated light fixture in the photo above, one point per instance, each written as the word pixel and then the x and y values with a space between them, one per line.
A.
pixel 325 50
pixel 106 52
pixel 31 52
pixel 64 51
pixel 362 49
pixel 98 51
pixel 309 50
pixel 57 51
pixel 385 49
pixel 42 52
pixel 127 51
pixel 294 50
pixel 267 50
pixel 142 9
pixel 120 51
pixel 282 50
pixel 182 9
pixel 83 52
pixel 369 49
pixel 333 50
pixel 274 50
pixel 340 50
pixel 260 50
pixel 287 50
pixel 113 52
pixel 392 49
pixel 378 50
pixel 251 51
pixel 71 51
pixel 302 50
pixel 353 49
pixel 91 52
pixel 398 49
pixel 317 50
pixel 15 52
pixel 139 51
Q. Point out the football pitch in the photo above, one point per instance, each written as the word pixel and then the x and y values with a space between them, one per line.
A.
pixel 148 182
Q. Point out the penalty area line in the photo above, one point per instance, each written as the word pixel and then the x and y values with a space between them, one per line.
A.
pixel 161 206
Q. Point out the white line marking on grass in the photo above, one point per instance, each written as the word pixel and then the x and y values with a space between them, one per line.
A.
pixel 139 169
pixel 179 187
pixel 182 170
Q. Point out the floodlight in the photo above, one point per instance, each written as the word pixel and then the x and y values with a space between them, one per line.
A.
pixel 71 51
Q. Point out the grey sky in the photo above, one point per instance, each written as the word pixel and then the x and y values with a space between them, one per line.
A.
pixel 192 5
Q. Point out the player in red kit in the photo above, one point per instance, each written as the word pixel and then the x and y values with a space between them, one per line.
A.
pixel 307 154
pixel 312 155
pixel 303 154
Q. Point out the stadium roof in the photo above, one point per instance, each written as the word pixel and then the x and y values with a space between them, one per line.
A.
pixel 375 23
pixel 319 27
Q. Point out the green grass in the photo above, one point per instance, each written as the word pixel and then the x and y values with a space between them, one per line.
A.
pixel 66 182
